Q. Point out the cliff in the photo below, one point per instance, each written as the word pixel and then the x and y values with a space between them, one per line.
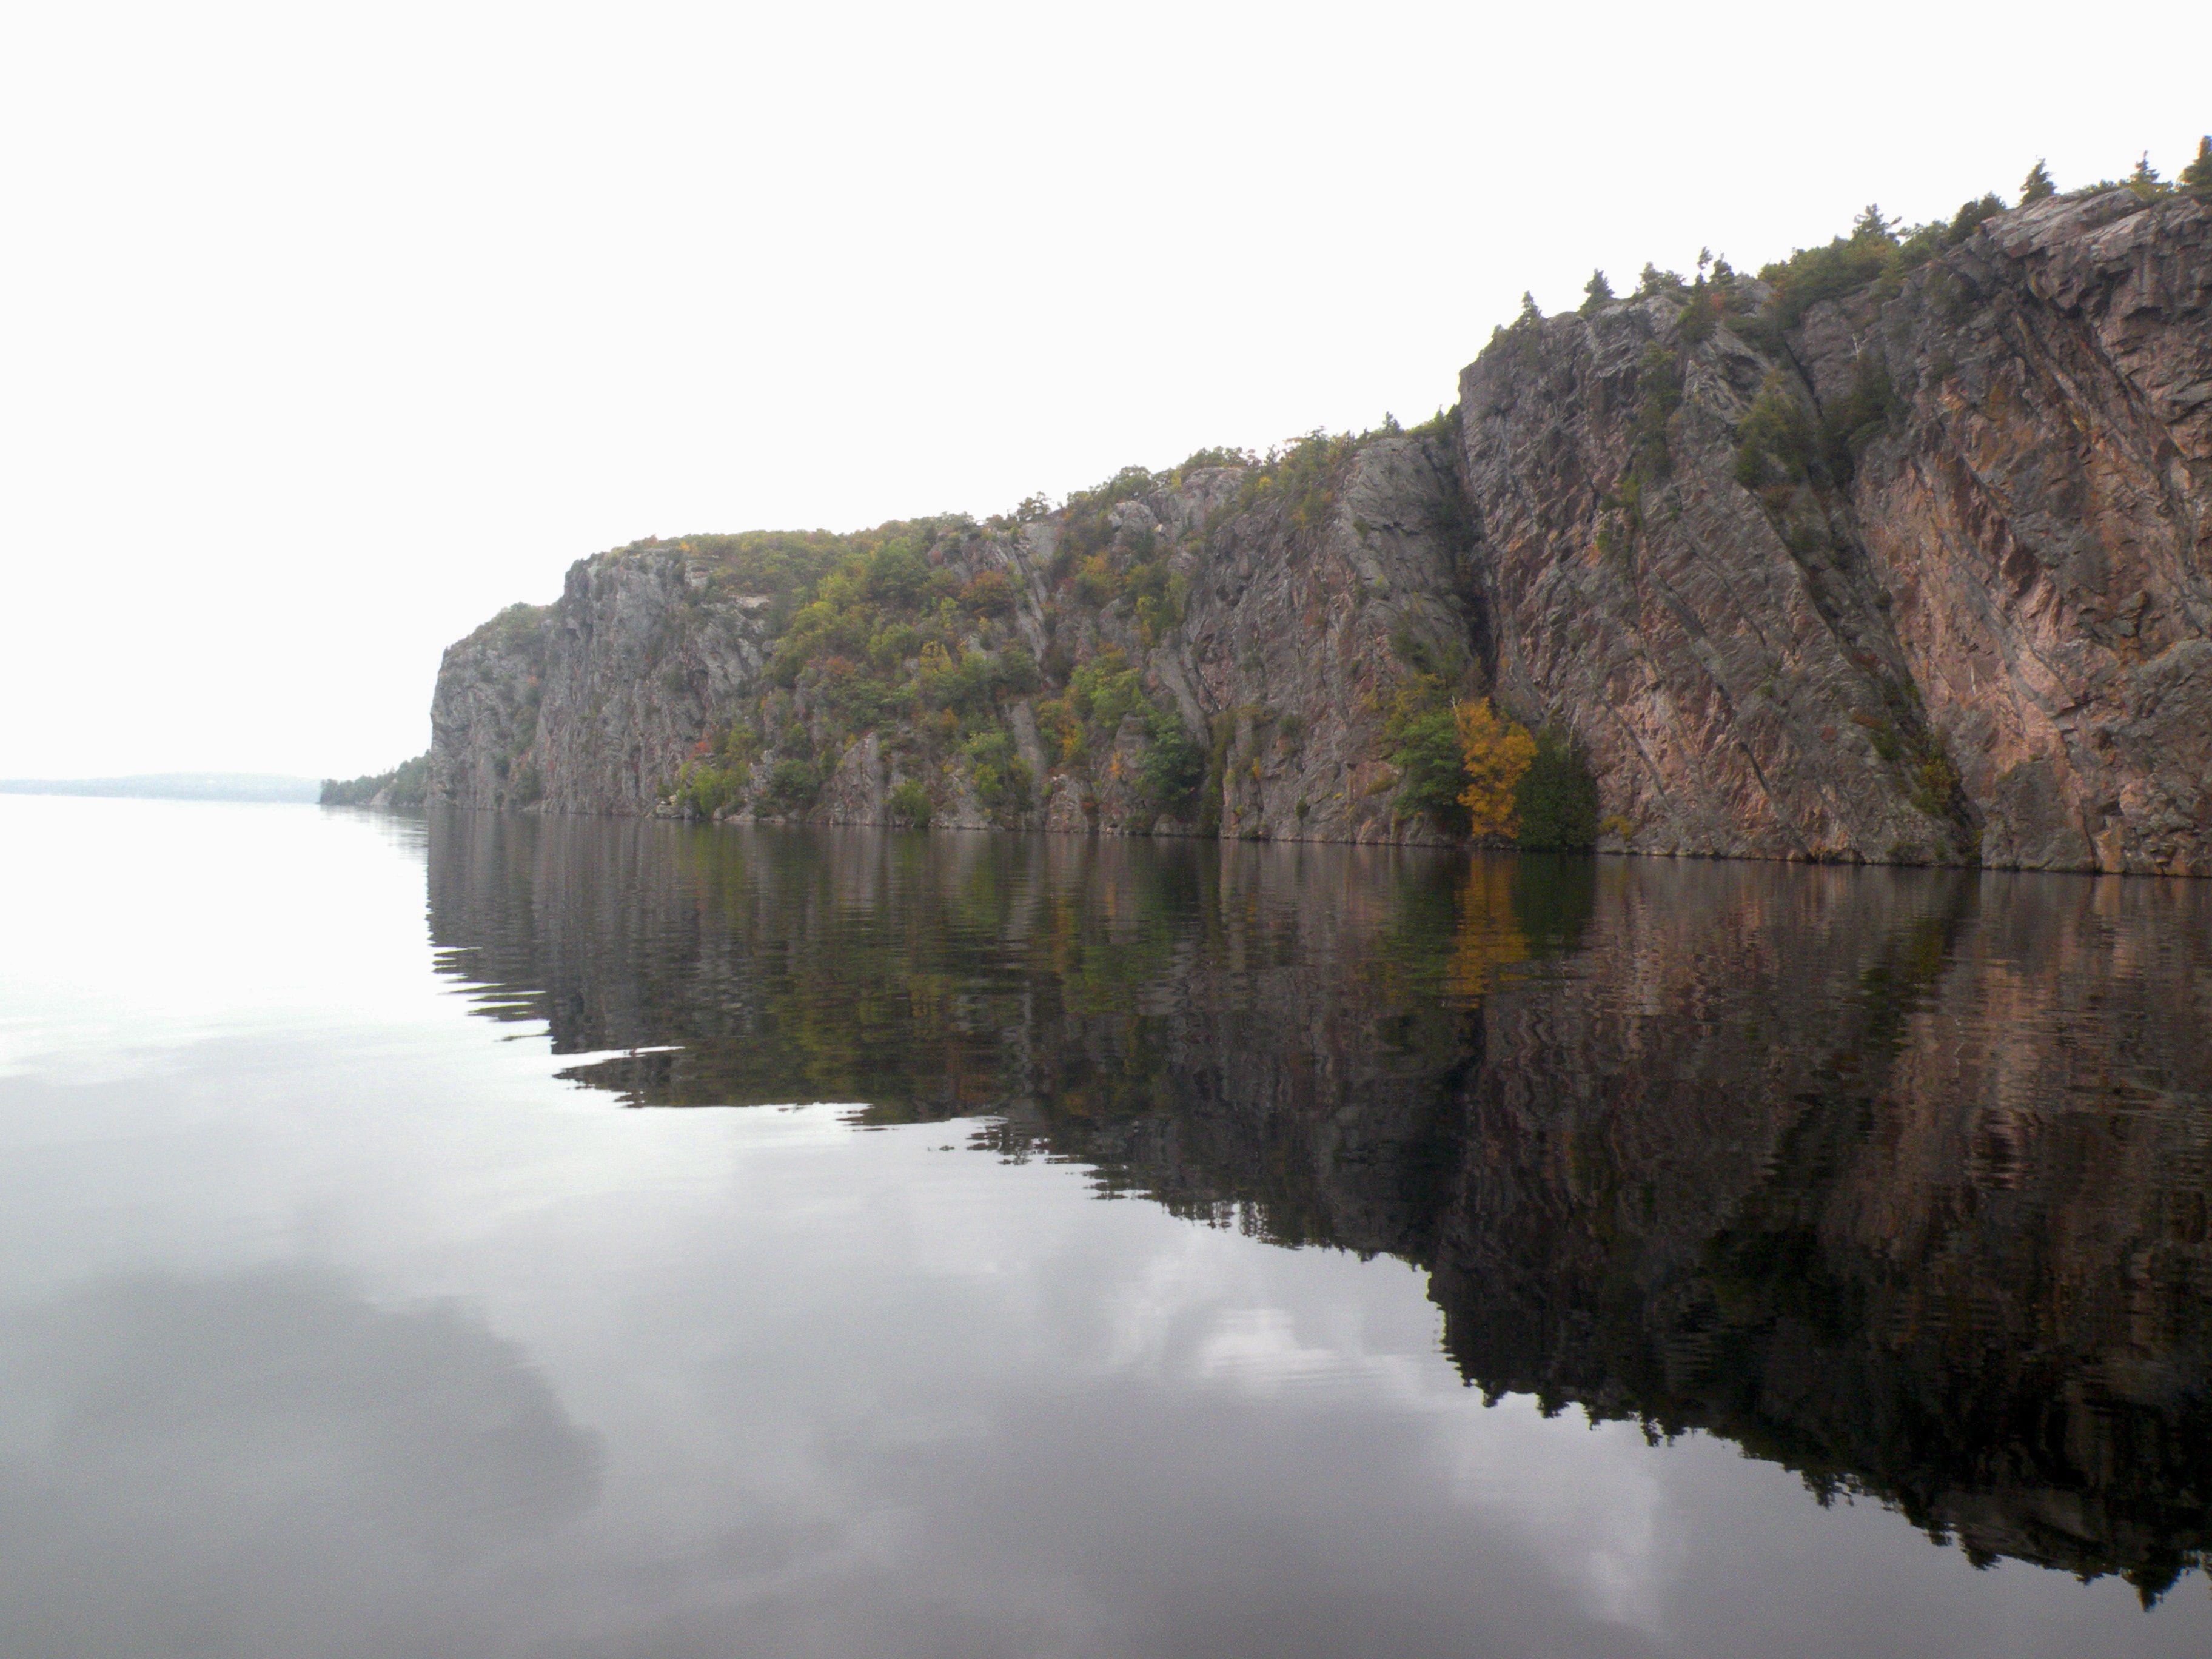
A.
pixel 1899 553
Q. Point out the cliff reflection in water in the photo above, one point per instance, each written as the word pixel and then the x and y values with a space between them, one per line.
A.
pixel 1897 1178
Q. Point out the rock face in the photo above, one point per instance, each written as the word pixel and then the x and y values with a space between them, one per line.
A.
pixel 1303 620
pixel 2064 472
pixel 1990 641
pixel 483 717
pixel 1960 610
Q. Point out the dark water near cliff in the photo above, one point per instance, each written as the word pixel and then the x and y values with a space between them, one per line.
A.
pixel 1543 1258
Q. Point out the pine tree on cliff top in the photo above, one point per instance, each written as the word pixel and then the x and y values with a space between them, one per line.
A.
pixel 1596 292
pixel 1872 225
pixel 2197 175
pixel 2038 185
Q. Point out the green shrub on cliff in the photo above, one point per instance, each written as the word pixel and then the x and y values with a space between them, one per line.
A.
pixel 1425 747
pixel 1198 459
pixel 1471 767
pixel 1701 316
pixel 1103 692
pixel 1087 529
pixel 1776 437
pixel 909 804
pixel 1302 476
pixel 1878 249
pixel 1779 441
pixel 1876 252
pixel 1556 796
pixel 892 641
pixel 704 786
pixel 989 594
pixel 1175 765
pixel 1812 274
pixel 792 785
pixel 780 566
pixel 1851 422
pixel 1002 779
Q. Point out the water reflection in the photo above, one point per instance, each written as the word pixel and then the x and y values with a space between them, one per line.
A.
pixel 1896 1178
pixel 248 1462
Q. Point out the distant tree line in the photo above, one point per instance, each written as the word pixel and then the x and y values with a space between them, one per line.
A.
pixel 1878 248
pixel 408 782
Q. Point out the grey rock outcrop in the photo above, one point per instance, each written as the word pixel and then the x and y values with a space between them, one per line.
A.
pixel 1291 643
pixel 484 715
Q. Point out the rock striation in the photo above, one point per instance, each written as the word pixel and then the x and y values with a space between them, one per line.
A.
pixel 1914 571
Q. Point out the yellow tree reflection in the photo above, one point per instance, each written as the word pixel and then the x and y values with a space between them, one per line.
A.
pixel 1490 937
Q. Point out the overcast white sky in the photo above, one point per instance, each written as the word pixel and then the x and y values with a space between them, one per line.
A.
pixel 326 330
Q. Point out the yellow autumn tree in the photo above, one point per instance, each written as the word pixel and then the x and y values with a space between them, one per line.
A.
pixel 1497 752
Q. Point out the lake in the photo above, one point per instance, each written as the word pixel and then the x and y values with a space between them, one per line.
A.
pixel 487 1235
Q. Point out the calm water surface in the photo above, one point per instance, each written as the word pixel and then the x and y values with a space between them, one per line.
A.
pixel 496 1236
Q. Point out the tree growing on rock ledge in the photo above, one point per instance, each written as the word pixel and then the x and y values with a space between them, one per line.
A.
pixel 1496 753
pixel 2197 175
pixel 1557 800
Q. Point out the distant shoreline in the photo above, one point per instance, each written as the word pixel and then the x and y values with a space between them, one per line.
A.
pixel 174 785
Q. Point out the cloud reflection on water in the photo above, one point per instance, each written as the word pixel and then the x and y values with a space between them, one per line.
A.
pixel 260 1453
pixel 358 1333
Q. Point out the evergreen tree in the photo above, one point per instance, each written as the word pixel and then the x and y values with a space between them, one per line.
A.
pixel 1596 292
pixel 2197 175
pixel 1530 316
pixel 2037 185
pixel 1701 316
pixel 2144 180
pixel 1871 226
pixel 1556 799
pixel 1971 213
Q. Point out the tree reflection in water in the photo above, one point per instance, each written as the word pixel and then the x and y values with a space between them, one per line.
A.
pixel 1897 1178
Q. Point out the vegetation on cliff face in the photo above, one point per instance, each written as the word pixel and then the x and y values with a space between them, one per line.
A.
pixel 407 785
pixel 1311 642
pixel 1879 251
pixel 1866 341
pixel 1555 800
pixel 1487 777
pixel 923 636
pixel 1495 755
pixel 889 641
